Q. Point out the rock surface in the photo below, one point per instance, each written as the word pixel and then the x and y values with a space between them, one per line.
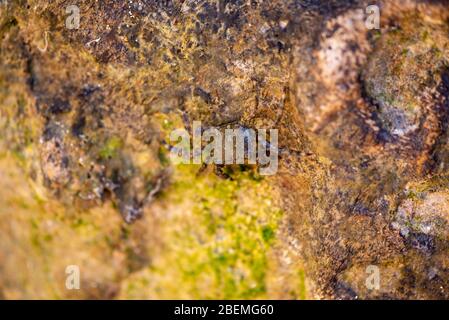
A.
pixel 85 171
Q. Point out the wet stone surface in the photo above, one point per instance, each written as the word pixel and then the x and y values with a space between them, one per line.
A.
pixel 362 115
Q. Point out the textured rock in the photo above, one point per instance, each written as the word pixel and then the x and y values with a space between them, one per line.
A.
pixel 362 117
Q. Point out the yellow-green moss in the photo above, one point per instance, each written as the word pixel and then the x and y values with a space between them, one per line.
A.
pixel 111 147
pixel 218 247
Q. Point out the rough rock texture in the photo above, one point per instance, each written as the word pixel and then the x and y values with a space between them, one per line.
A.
pixel 362 119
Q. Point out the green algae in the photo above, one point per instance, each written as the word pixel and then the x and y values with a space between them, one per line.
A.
pixel 111 148
pixel 222 239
